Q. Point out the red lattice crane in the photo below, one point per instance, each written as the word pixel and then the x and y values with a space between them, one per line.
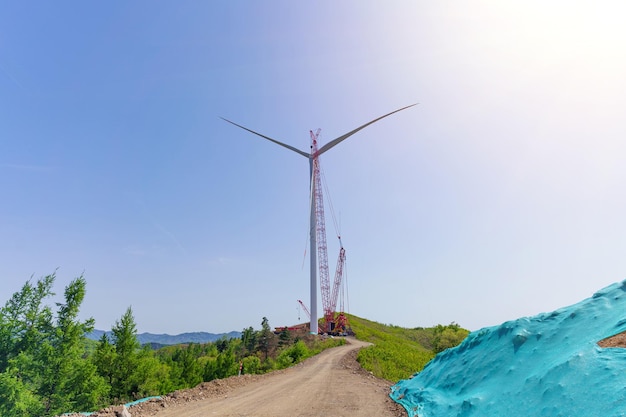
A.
pixel 329 298
pixel 306 310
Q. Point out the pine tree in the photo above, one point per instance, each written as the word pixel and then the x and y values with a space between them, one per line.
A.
pixel 104 358
pixel 125 364
pixel 249 339
pixel 42 369
pixel 69 382
pixel 266 338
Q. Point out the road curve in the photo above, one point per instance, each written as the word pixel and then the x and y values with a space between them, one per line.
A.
pixel 324 385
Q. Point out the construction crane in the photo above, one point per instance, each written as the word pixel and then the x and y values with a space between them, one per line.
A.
pixel 339 324
pixel 313 216
pixel 329 298
pixel 306 310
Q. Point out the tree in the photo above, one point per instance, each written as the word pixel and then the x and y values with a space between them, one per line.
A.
pixel 266 338
pixel 225 364
pixel 16 399
pixel 104 358
pixel 249 339
pixel 126 360
pixel 448 336
pixel 24 320
pixel 25 324
pixel 69 382
pixel 186 361
pixel 284 338
pixel 292 355
pixel 154 376
pixel 251 364
pixel 48 353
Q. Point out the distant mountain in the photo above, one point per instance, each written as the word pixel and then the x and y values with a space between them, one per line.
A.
pixel 166 339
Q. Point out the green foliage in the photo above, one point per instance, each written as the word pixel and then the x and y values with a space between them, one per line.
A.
pixel 249 340
pixel 226 364
pixel 49 353
pixel 125 360
pixel 397 353
pixel 24 320
pixel 154 376
pixel 266 338
pixel 292 355
pixel 48 367
pixel 133 372
pixel 103 358
pixel 17 399
pixel 251 365
pixel 448 336
pixel 68 381
pixel 317 345
pixel 300 351
pixel 394 360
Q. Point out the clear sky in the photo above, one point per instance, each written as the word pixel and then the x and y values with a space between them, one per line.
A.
pixel 500 195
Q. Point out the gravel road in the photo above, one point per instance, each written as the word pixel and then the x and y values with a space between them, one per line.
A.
pixel 329 384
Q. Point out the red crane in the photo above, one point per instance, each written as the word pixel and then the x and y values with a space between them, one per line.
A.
pixel 338 278
pixel 306 310
pixel 329 299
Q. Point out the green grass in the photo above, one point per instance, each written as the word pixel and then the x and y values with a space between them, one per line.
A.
pixel 397 352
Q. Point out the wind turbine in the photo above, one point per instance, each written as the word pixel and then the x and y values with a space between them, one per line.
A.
pixel 312 158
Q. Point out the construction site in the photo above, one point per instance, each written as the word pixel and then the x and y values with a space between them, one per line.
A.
pixel 334 321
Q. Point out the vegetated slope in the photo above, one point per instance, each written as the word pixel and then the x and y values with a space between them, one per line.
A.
pixel 49 367
pixel 398 352
pixel 546 365
pixel 329 384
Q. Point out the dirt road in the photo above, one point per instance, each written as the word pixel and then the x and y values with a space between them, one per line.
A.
pixel 329 384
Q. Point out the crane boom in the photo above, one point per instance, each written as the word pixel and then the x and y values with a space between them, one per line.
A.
pixel 320 226
pixel 306 310
pixel 337 283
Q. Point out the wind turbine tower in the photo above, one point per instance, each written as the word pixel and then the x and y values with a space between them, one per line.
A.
pixel 313 159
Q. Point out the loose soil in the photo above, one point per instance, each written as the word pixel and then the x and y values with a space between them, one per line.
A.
pixel 616 341
pixel 329 384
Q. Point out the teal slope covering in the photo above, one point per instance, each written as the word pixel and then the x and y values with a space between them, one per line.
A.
pixel 548 365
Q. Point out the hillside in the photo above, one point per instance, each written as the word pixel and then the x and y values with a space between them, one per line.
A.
pixel 328 384
pixel 549 365
pixel 48 367
pixel 397 352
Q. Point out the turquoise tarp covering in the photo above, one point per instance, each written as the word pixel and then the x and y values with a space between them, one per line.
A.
pixel 548 365
pixel 143 400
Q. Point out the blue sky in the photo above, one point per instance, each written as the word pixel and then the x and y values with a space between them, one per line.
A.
pixel 500 195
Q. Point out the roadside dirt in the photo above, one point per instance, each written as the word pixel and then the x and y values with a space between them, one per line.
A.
pixel 329 384
pixel 616 341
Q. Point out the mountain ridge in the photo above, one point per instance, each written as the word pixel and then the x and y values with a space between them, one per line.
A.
pixel 167 339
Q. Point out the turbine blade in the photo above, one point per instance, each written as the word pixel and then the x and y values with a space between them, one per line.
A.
pixel 296 150
pixel 347 135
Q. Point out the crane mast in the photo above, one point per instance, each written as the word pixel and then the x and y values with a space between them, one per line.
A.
pixel 320 226
pixel 329 297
